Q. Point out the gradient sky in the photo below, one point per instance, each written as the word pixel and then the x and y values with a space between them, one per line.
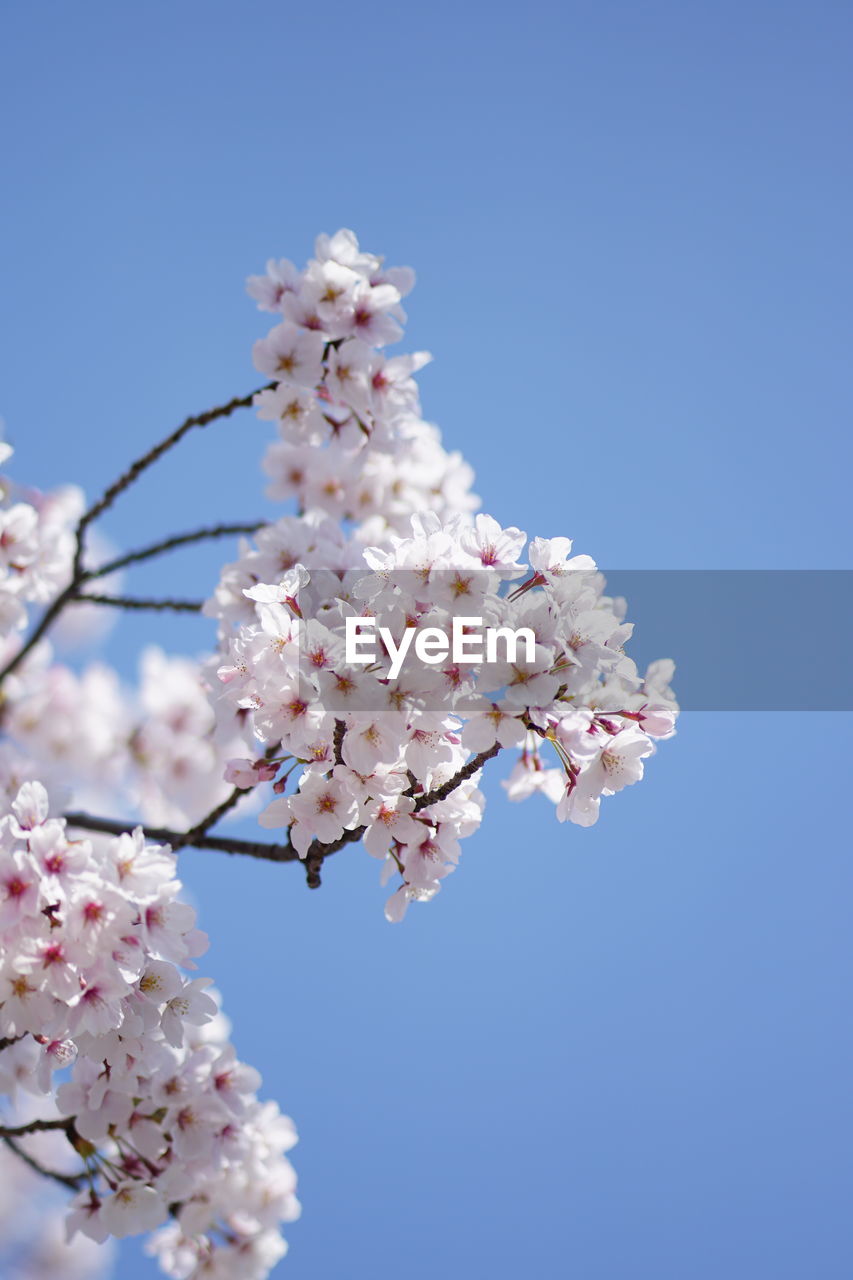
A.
pixel 615 1054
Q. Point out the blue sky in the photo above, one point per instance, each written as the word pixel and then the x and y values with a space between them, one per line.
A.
pixel 606 1054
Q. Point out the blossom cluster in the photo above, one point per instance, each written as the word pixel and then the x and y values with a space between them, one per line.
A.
pixel 95 944
pixel 100 1021
pixel 378 754
pixel 379 751
pixel 352 443
pixel 156 749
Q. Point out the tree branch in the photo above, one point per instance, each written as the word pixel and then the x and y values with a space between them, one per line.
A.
pixel 169 544
pixel 11 1133
pixel 225 844
pixel 64 1124
pixel 136 468
pixel 317 850
pixel 79 575
pixel 201 828
pixel 132 602
pixel 467 771
pixel 70 1180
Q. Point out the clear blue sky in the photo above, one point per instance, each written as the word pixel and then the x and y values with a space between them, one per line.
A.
pixel 617 1054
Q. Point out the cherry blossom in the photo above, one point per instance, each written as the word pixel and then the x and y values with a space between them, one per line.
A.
pixel 114 1052
pixel 164 1116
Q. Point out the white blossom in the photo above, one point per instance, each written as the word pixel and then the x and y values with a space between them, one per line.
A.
pixel 102 1020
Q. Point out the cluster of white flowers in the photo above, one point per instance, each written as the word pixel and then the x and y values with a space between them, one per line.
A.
pixel 381 740
pixel 99 1020
pixel 376 747
pixel 94 942
pixel 157 749
pixel 353 444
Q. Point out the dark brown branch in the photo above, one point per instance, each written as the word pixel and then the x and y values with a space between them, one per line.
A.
pixel 11 1133
pixel 37 1126
pixel 201 828
pixel 7 1041
pixel 136 468
pixel 70 1180
pixel 169 544
pixel 132 602
pixel 317 850
pixel 210 820
pixel 78 574
pixel 467 771
pixel 225 844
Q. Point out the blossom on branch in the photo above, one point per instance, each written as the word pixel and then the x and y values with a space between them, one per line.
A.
pixel 95 944
pixel 478 642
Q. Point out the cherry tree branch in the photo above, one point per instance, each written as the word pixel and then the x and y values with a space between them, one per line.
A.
pixel 338 740
pixel 165 835
pixel 467 771
pixel 134 602
pixel 317 852
pixel 136 468
pixel 11 1133
pixel 64 1124
pixel 169 544
pixel 202 827
pixel 261 849
pixel 70 1180
pixel 79 575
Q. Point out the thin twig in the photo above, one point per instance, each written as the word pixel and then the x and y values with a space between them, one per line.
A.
pixel 169 544
pixel 136 468
pixel 78 574
pixel 69 1180
pixel 133 602
pixel 225 844
pixel 202 827
pixel 37 1126
pixel 317 850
